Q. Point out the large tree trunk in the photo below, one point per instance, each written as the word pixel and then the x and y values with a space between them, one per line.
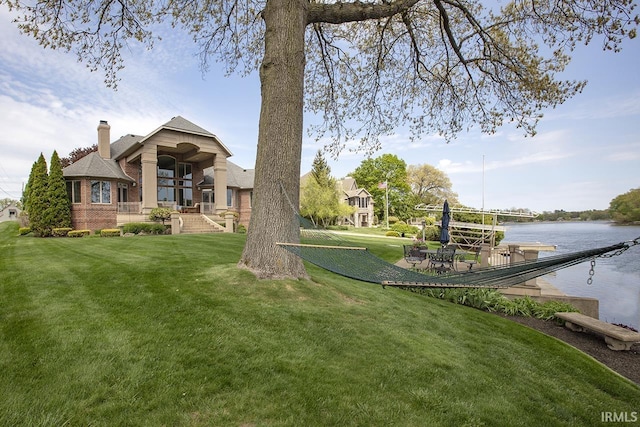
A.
pixel 279 144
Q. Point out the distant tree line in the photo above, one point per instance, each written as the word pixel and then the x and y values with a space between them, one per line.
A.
pixel 562 215
pixel 407 186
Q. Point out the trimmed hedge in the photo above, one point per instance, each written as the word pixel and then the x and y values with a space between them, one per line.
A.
pixel 392 233
pixel 24 231
pixel 78 233
pixel 61 232
pixel 143 227
pixel 110 232
pixel 402 227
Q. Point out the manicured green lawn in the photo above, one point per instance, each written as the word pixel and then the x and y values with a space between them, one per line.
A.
pixel 165 330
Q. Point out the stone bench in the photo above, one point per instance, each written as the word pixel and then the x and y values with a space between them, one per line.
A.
pixel 616 337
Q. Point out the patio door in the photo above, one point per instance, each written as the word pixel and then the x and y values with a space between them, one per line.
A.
pixel 207 201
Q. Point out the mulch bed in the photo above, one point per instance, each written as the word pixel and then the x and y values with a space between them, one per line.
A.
pixel 626 363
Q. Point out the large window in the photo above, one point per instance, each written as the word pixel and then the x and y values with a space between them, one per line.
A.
pixel 185 184
pixel 101 192
pixel 73 191
pixel 175 181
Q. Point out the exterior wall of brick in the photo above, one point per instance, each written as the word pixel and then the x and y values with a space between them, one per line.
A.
pixel 132 170
pixel 93 216
pixel 244 207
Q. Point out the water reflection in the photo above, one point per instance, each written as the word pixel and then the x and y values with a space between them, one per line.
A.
pixel 616 282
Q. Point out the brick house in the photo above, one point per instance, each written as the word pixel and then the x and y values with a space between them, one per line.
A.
pixel 179 165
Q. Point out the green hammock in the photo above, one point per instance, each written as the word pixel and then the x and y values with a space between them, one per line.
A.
pixel 360 264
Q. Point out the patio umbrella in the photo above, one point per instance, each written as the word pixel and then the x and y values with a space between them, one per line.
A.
pixel 444 227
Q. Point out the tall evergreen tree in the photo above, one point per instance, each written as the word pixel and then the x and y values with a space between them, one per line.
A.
pixel 58 212
pixel 27 188
pixel 321 170
pixel 37 196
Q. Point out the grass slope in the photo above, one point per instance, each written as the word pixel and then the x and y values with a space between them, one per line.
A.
pixel 164 330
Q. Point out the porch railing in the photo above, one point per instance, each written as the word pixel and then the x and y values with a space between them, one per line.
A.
pixel 500 256
pixel 129 207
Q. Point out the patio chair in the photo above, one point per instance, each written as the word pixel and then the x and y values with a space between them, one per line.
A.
pixel 444 260
pixel 475 260
pixel 413 255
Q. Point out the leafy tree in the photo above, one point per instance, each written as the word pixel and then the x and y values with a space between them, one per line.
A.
pixel 434 66
pixel 37 197
pixel 625 208
pixel 430 185
pixel 389 169
pixel 319 203
pixel 160 214
pixel 76 154
pixel 320 195
pixel 58 212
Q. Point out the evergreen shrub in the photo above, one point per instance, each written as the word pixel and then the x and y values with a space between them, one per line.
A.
pixel 392 233
pixel 78 233
pixel 110 232
pixel 24 231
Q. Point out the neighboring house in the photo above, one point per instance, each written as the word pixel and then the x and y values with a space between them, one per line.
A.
pixel 350 194
pixel 10 213
pixel 361 199
pixel 178 165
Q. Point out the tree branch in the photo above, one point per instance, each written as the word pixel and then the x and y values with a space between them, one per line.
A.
pixel 340 13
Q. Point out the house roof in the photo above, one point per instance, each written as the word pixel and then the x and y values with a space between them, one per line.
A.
pixel 123 144
pixel 180 124
pixel 92 165
pixel 237 177
pixel 348 184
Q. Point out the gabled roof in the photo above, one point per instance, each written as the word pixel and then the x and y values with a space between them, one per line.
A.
pixel 348 184
pixel 357 193
pixel 180 124
pixel 92 165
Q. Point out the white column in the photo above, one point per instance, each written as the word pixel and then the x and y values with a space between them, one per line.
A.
pixel 149 160
pixel 220 183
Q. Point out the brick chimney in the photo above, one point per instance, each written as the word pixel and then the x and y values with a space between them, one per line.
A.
pixel 104 139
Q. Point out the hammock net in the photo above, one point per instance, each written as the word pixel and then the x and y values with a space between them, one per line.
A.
pixel 333 252
pixel 360 264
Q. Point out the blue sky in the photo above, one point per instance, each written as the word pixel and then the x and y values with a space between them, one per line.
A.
pixel 586 152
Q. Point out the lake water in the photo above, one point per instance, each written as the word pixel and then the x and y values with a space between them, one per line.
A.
pixel 616 283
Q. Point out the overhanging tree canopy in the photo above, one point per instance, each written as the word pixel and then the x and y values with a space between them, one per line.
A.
pixel 365 67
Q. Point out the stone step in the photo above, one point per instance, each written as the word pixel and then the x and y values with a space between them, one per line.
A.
pixel 196 224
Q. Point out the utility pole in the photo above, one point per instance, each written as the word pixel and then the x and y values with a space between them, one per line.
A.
pixel 386 204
